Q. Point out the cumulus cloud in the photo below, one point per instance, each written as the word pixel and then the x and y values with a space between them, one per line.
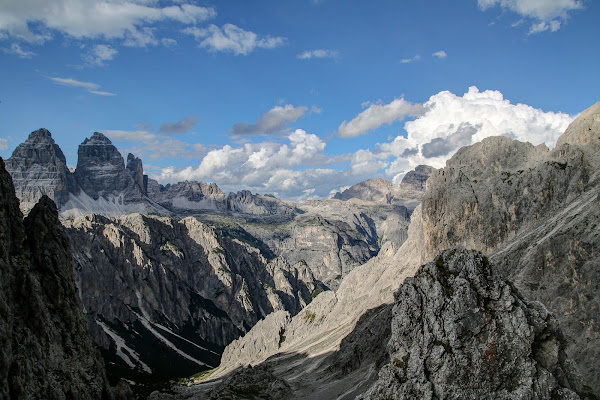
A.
pixel 16 49
pixel 36 20
pixel 298 167
pixel 91 87
pixel 440 54
pixel 3 144
pixel 274 121
pixel 181 126
pixel 450 122
pixel 232 38
pixel 548 14
pixel 148 145
pixel 99 54
pixel 377 115
pixel 442 146
pixel 318 53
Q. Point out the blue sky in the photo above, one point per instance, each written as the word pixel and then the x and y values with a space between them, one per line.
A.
pixel 297 98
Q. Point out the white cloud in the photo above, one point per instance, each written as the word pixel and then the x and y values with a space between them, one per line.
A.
pixel 16 49
pixel 440 54
pixel 542 26
pixel 99 54
pixel 318 53
pixel 232 38
pixel 273 121
pixel 377 115
pixel 36 20
pixel 168 42
pixel 299 167
pixel 410 60
pixel 89 86
pixel 3 144
pixel 101 93
pixel 548 14
pixel 452 121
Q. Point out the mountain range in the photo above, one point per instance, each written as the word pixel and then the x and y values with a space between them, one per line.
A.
pixel 477 280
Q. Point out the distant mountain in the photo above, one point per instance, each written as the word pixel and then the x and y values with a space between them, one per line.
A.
pixel 408 193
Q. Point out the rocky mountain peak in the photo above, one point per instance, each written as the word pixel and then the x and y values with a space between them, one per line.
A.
pixel 38 166
pixel 584 130
pixel 460 331
pixel 136 170
pixel 417 178
pixel 101 171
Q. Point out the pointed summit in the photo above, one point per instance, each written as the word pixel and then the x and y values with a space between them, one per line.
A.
pixel 101 170
pixel 38 166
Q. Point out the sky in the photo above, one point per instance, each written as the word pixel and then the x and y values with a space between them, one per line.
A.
pixel 299 99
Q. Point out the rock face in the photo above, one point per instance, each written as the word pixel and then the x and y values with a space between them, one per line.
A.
pixel 46 350
pixel 164 296
pixel 101 171
pixel 536 212
pixel 460 331
pixel 136 170
pixel 408 193
pixel 39 167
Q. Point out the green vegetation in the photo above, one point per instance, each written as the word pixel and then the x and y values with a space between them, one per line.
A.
pixel 218 250
pixel 309 317
pixel 318 290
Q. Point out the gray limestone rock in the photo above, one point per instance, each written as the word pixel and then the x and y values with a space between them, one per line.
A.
pixel 536 213
pixel 38 167
pixel 164 296
pixel 460 331
pixel 408 193
pixel 136 170
pixel 101 171
pixel 46 350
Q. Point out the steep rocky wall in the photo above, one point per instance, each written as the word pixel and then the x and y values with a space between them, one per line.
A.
pixel 39 167
pixel 536 212
pixel 164 296
pixel 46 350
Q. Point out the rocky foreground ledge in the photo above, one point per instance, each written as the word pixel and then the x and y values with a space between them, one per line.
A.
pixel 459 332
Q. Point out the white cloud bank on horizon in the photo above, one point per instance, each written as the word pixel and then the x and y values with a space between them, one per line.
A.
pixel 300 169
pixel 547 14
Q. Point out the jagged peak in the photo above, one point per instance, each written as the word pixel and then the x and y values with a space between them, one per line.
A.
pixel 41 133
pixel 97 138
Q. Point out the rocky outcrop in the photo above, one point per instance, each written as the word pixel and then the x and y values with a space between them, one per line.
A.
pixel 38 167
pixel 46 350
pixel 136 170
pixel 536 212
pixel 164 296
pixel 408 193
pixel 101 171
pixel 460 331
